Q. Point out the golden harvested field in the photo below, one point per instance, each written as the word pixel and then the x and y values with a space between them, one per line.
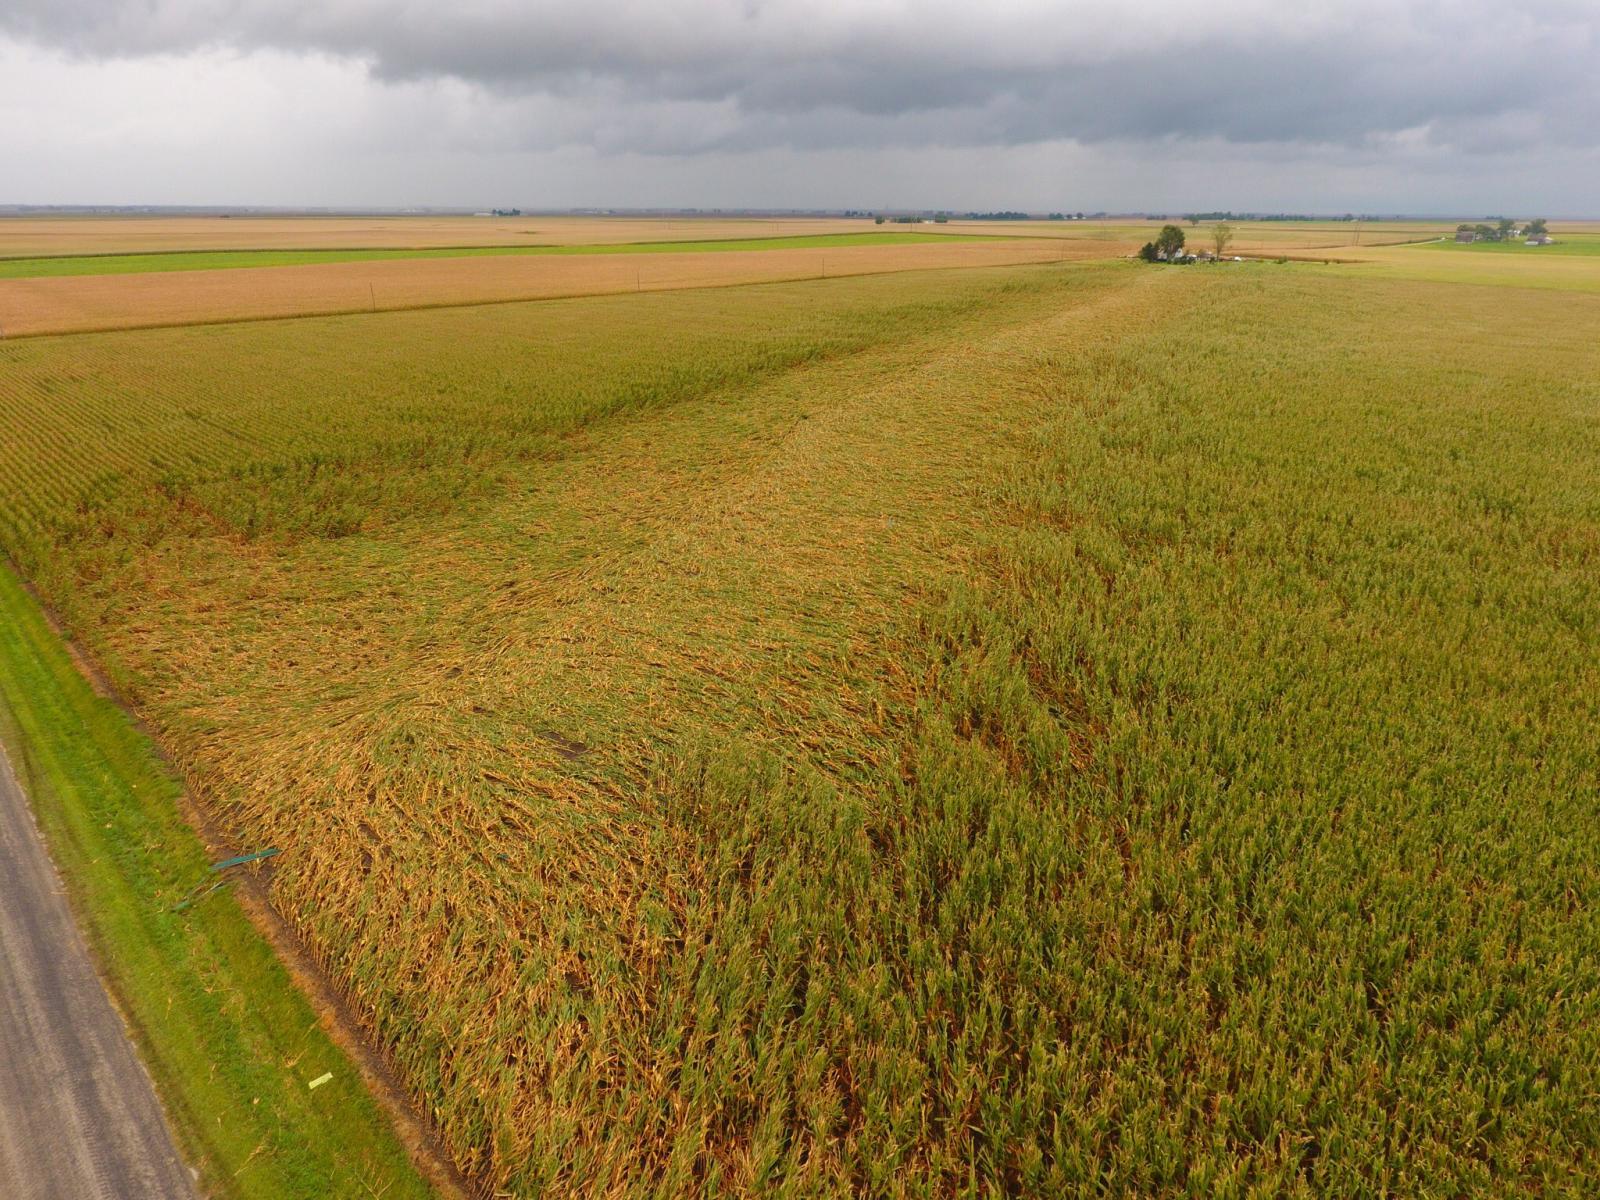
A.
pixel 1086 729
pixel 100 302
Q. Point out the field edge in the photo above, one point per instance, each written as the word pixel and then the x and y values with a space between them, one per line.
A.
pixel 231 1024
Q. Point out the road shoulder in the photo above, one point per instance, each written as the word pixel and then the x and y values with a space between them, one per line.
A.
pixel 230 1042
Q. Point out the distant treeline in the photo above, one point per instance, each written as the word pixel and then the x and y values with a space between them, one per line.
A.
pixel 942 215
pixel 1196 218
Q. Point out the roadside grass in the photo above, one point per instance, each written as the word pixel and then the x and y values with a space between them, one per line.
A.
pixel 1050 731
pixel 228 1039
pixel 212 260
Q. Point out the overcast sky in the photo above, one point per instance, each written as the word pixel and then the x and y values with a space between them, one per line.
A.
pixel 1449 106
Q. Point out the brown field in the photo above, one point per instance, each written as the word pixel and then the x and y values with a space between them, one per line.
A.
pixel 28 236
pixel 32 236
pixel 99 302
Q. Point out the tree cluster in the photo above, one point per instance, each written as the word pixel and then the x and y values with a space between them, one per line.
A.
pixel 1504 229
pixel 1168 244
pixel 1167 247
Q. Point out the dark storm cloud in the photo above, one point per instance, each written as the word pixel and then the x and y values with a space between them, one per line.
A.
pixel 762 73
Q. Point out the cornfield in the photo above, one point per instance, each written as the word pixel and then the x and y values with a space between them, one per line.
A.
pixel 1043 730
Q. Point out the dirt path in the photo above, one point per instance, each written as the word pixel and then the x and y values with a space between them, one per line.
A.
pixel 78 1115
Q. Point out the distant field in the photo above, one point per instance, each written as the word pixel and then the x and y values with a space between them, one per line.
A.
pixel 368 264
pixel 34 237
pixel 1265 237
pixel 38 236
pixel 115 301
pixel 1565 244
pixel 1272 236
pixel 211 260
pixel 1437 262
pixel 1085 729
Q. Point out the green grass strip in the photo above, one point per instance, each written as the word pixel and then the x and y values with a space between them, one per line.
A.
pixel 213 260
pixel 229 1040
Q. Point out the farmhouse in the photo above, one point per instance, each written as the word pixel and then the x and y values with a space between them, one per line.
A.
pixel 1466 235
